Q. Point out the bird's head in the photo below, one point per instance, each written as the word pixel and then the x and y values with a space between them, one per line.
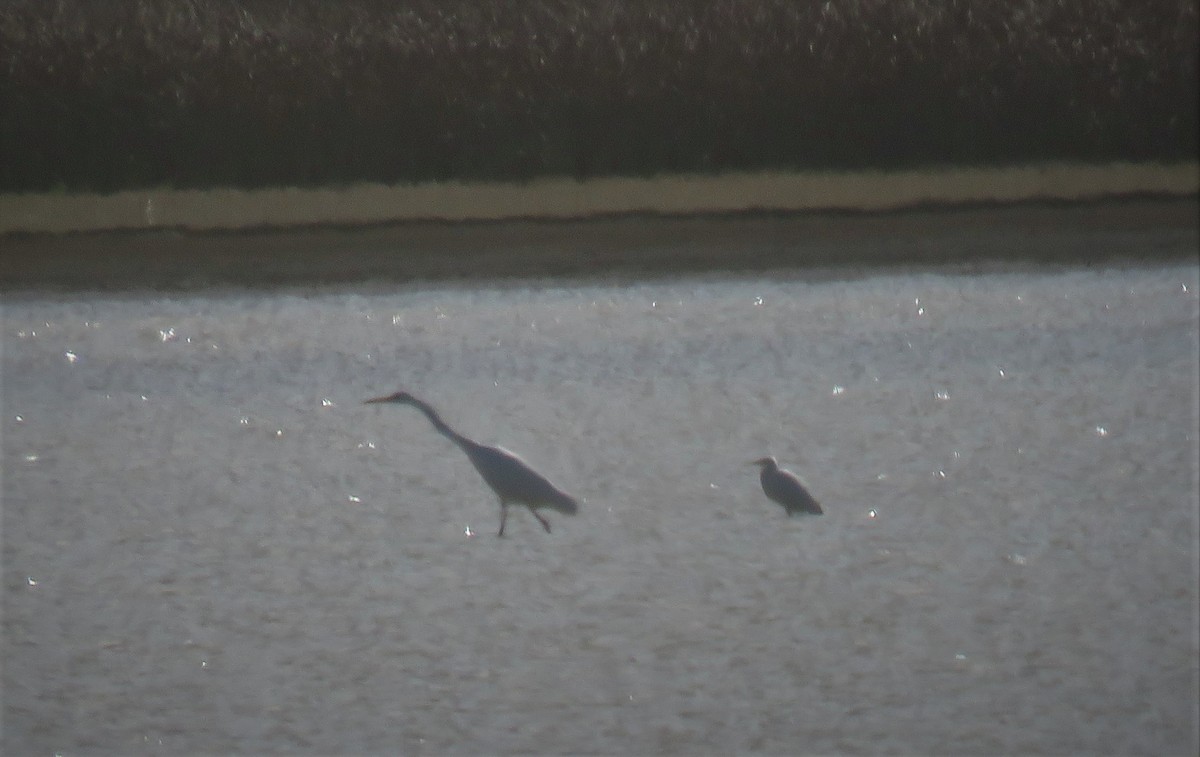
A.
pixel 765 462
pixel 401 397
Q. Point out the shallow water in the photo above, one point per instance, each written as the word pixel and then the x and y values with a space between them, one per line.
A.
pixel 211 546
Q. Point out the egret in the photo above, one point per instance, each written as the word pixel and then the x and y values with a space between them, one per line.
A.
pixel 785 488
pixel 510 477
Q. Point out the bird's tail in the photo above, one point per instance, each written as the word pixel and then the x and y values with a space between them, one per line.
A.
pixel 565 503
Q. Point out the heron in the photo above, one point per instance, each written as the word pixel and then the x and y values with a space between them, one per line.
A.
pixel 785 487
pixel 510 477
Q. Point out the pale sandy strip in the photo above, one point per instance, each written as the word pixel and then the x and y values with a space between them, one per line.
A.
pixel 565 198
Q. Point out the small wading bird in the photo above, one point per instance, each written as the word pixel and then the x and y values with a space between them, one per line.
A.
pixel 785 488
pixel 509 476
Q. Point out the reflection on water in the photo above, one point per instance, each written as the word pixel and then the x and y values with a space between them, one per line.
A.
pixel 210 545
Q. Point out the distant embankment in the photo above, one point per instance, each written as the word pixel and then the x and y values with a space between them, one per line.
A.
pixel 563 199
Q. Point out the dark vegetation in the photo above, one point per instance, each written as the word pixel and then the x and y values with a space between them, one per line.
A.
pixel 104 94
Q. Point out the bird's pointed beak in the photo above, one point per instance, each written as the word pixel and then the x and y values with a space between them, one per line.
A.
pixel 375 400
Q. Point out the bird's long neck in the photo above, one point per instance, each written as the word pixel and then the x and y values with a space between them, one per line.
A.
pixel 440 424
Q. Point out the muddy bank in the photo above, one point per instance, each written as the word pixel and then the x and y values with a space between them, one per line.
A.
pixel 641 244
pixel 228 209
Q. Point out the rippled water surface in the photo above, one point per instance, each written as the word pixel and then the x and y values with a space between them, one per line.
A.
pixel 210 545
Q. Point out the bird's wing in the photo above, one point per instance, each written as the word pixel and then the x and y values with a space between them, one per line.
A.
pixel 789 490
pixel 514 480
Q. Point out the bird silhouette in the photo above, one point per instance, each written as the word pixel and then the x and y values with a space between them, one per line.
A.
pixel 786 488
pixel 510 477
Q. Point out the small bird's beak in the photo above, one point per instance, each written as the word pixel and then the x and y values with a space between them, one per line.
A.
pixel 374 401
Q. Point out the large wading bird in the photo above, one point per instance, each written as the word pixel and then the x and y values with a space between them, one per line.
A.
pixel 510 477
pixel 785 488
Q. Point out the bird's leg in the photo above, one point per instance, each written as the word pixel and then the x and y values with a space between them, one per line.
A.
pixel 545 523
pixel 503 516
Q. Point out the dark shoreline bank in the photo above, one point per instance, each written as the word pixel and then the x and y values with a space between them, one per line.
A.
pixel 1100 232
pixel 194 94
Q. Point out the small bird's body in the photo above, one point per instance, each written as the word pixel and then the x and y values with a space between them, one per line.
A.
pixel 785 487
pixel 510 477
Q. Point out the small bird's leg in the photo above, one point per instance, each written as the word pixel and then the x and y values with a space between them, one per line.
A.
pixel 545 523
pixel 503 516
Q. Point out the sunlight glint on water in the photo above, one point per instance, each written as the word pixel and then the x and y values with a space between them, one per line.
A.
pixel 212 545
